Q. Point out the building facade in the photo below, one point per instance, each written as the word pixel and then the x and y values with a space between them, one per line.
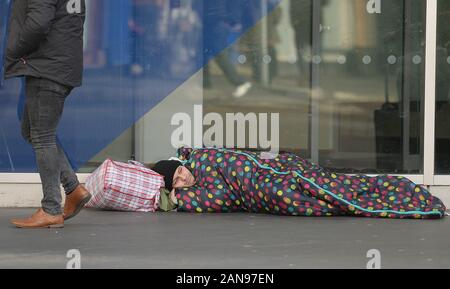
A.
pixel 357 86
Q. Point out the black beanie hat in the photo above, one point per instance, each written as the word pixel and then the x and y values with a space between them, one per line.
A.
pixel 167 169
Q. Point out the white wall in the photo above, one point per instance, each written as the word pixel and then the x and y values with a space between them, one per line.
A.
pixel 154 130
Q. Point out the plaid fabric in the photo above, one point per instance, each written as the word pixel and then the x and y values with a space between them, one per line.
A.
pixel 124 187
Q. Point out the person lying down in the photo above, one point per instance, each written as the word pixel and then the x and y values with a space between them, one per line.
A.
pixel 225 180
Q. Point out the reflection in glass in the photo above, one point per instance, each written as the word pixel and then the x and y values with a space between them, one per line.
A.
pixel 347 82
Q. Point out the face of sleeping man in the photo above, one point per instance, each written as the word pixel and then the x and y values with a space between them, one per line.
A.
pixel 183 178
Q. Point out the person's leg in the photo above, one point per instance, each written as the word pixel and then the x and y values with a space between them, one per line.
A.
pixel 206 76
pixel 25 123
pixel 256 57
pixel 44 105
pixel 303 41
pixel 68 178
pixel 228 69
pixel 242 86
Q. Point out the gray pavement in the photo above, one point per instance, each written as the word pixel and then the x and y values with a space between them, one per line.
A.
pixel 180 240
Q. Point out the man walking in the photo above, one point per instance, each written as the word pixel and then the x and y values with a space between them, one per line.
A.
pixel 45 44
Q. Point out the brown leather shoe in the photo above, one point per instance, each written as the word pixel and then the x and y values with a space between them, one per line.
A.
pixel 39 220
pixel 75 201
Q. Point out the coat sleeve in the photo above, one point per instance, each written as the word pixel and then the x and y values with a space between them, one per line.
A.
pixel 40 14
pixel 198 199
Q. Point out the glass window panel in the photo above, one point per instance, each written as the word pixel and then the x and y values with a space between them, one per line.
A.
pixel 346 81
pixel 442 157
pixel 371 83
pixel 265 56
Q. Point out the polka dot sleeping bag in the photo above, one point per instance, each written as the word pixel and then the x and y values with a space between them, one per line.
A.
pixel 239 181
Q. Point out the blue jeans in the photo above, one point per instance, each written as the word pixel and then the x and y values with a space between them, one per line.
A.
pixel 44 105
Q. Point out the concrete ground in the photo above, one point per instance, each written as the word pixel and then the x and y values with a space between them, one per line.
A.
pixel 180 240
